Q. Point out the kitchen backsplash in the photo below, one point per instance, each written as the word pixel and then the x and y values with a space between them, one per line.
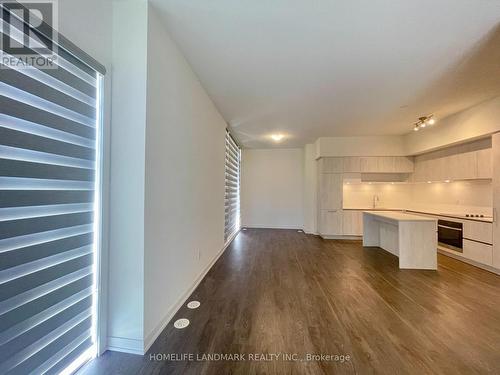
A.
pixel 454 197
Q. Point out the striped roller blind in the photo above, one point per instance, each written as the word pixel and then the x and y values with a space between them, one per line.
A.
pixel 232 196
pixel 48 150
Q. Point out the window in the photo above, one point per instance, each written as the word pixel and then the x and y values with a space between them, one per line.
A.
pixel 232 195
pixel 49 203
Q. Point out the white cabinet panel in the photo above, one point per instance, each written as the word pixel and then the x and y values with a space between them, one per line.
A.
pixel 331 222
pixel 478 252
pixel 484 163
pixel 464 166
pixel 386 164
pixel 330 190
pixel 353 223
pixel 404 164
pixel 331 165
pixel 474 230
pixel 352 164
pixel 496 199
pixel 369 164
pixel 441 166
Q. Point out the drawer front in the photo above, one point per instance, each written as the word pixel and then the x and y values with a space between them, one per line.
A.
pixel 478 231
pixel 478 252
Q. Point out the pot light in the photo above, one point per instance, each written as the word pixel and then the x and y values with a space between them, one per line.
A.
pixel 429 182
pixel 447 181
pixel 277 137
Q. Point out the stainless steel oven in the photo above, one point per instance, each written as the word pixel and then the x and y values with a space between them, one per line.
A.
pixel 450 235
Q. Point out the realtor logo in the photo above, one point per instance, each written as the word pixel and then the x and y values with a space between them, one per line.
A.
pixel 28 36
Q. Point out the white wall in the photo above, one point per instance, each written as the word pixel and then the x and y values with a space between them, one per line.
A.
pixel 184 192
pixel 475 122
pixel 310 189
pixel 272 188
pixel 360 146
pixel 126 253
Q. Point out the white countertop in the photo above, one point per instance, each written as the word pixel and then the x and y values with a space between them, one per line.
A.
pixel 399 216
pixel 423 211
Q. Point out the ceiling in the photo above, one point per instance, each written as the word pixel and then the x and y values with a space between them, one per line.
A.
pixel 315 68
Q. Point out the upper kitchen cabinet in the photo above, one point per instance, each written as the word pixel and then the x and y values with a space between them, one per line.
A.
pixel 485 163
pixel 378 164
pixel 330 165
pixel 464 162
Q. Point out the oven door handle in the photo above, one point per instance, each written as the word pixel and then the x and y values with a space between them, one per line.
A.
pixel 447 227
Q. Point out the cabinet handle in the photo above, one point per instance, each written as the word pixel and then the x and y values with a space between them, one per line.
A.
pixel 332 211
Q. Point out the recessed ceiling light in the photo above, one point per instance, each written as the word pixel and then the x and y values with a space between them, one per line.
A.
pixel 277 137
pixel 447 181
pixel 429 182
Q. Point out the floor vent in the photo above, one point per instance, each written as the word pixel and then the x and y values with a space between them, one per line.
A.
pixel 193 305
pixel 181 323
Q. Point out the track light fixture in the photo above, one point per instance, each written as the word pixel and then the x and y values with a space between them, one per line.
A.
pixel 423 122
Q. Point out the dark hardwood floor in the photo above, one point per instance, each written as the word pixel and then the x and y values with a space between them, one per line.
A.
pixel 279 291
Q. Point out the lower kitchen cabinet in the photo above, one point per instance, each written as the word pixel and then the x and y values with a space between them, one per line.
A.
pixel 352 223
pixel 478 231
pixel 478 252
pixel 331 223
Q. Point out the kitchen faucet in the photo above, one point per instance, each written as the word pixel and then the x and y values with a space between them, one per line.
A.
pixel 376 200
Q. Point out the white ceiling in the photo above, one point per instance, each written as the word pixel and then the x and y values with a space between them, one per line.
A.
pixel 311 68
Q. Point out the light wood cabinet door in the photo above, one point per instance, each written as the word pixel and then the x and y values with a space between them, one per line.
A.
pixel 404 164
pixel 422 170
pixel 331 165
pixel 330 190
pixel 352 223
pixel 352 164
pixel 463 166
pixel 331 222
pixel 484 163
pixel 478 252
pixel 478 231
pixel 496 199
pixel 369 164
pixel 386 164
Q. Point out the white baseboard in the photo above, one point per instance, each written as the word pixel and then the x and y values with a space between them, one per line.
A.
pixel 296 227
pixel 124 345
pixel 352 238
pixel 469 261
pixel 153 335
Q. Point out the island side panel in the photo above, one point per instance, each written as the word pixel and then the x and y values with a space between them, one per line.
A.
pixel 418 245
pixel 389 237
pixel 371 232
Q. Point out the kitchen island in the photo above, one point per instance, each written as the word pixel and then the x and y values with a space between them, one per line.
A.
pixel 412 238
